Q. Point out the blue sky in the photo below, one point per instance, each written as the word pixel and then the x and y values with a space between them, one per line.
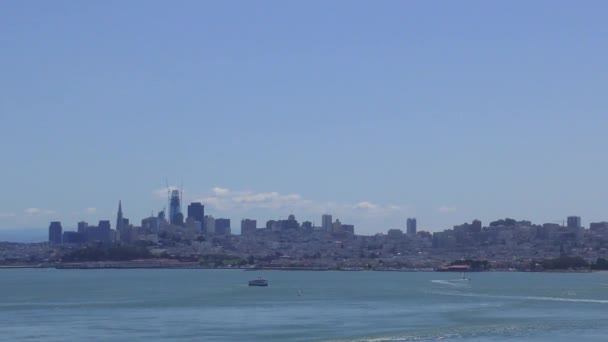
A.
pixel 372 111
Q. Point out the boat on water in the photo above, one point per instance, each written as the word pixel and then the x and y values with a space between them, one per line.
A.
pixel 258 282
pixel 453 268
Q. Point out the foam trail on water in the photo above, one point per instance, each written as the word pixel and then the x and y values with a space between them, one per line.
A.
pixel 553 299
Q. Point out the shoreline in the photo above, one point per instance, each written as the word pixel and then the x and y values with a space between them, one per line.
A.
pixel 193 265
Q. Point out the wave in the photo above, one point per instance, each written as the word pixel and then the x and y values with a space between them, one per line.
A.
pixel 482 332
pixel 519 331
pixel 452 282
pixel 542 298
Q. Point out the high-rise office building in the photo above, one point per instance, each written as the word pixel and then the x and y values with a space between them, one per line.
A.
pixel 73 238
pixel 196 212
pixel 123 228
pixel 326 222
pixel 104 225
pixel 175 209
pixel 105 232
pixel 55 232
pixel 337 226
pixel 574 222
pixel 248 227
pixel 119 217
pixel 209 224
pixel 82 227
pixel 349 228
pixel 598 226
pixel 161 216
pixel 411 226
pixel 222 226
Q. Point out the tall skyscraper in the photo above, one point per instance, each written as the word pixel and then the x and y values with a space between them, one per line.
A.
pixel 248 227
pixel 104 224
pixel 82 227
pixel 119 216
pixel 337 226
pixel 55 232
pixel 574 222
pixel 209 224
pixel 175 209
pixel 222 226
pixel 196 211
pixel 326 223
pixel 411 226
pixel 349 228
pixel 123 228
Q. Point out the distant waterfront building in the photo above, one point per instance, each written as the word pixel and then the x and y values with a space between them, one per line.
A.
pixel 196 211
pixel 395 233
pixel 175 209
pixel 411 226
pixel 290 223
pixel 574 222
pixel 151 224
pixel 307 225
pixel 598 226
pixel 326 222
pixel 103 232
pixel 222 226
pixel 349 228
pixel 105 225
pixel 82 227
pixel 161 216
pixel 337 226
pixel 178 219
pixel 73 238
pixel 55 232
pixel 193 224
pixel 248 227
pixel 209 224
pixel 476 226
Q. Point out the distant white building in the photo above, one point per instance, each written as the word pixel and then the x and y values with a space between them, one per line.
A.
pixel 210 224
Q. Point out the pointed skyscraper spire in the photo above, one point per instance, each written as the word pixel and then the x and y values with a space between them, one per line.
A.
pixel 119 216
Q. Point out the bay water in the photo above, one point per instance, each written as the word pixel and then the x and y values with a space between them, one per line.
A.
pixel 217 305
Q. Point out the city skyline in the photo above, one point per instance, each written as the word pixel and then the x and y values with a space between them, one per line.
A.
pixel 238 205
pixel 401 109
pixel 197 219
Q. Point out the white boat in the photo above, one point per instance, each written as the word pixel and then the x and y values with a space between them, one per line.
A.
pixel 258 282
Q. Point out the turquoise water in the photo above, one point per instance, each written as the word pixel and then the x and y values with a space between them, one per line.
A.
pixel 217 305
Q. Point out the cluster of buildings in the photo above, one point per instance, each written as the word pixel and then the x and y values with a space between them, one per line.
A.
pixel 506 243
pixel 194 224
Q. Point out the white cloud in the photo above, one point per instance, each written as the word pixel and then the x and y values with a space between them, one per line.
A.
pixel 225 199
pixel 90 211
pixel 446 210
pixel 164 192
pixel 4 215
pixel 38 211
pixel 264 205
pixel 235 201
pixel 220 191
pixel 366 205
